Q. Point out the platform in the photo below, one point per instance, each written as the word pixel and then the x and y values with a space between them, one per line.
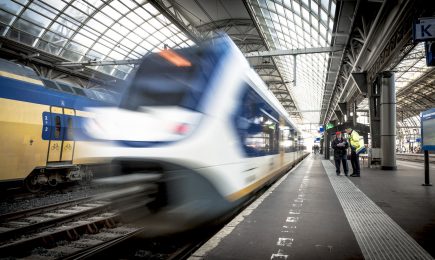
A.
pixel 311 213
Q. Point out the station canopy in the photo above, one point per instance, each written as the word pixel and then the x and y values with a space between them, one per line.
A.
pixel 297 25
pixel 414 88
pixel 82 30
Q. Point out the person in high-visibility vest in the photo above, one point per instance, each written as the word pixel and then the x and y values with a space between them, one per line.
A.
pixel 356 147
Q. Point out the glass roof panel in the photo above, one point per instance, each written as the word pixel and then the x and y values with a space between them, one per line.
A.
pixel 103 18
pixel 91 29
pixel 412 67
pixel 83 40
pixel 135 18
pixel 300 28
pixel 121 8
pixel 11 7
pixel 5 17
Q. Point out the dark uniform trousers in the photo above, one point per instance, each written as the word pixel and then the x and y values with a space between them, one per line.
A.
pixel 354 160
pixel 342 159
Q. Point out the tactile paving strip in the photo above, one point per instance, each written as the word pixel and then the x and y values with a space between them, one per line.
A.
pixel 378 236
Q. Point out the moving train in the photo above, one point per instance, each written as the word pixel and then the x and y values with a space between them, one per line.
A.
pixel 205 121
pixel 37 120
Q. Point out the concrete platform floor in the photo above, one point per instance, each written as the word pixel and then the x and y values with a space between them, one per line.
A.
pixel 313 214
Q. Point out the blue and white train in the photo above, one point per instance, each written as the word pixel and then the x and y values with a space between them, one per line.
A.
pixel 206 121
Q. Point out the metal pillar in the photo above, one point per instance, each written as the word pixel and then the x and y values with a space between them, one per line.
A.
pixel 426 169
pixel 374 95
pixel 354 114
pixel 326 144
pixel 388 121
pixel 339 116
pixel 343 109
pixel 375 112
pixel 321 144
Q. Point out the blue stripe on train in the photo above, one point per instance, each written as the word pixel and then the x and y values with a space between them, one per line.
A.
pixel 28 92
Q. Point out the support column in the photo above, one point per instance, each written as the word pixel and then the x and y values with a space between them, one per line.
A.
pixel 339 116
pixel 354 117
pixel 321 143
pixel 343 108
pixel 375 112
pixel 388 122
pixel 326 144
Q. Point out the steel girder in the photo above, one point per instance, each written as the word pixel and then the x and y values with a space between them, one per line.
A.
pixel 384 46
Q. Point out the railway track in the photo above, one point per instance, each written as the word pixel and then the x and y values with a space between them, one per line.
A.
pixel 415 157
pixel 178 246
pixel 19 195
pixel 75 228
pixel 173 247
pixel 96 227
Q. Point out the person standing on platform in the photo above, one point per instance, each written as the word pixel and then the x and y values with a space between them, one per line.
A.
pixel 356 147
pixel 340 146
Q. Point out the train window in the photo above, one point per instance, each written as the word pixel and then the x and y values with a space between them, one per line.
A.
pixel 18 69
pixel 65 87
pixel 106 97
pixel 50 84
pixel 258 126
pixel 159 82
pixel 58 128
pixel 79 91
pixel 99 95
pixel 90 93
pixel 287 138
pixel 69 129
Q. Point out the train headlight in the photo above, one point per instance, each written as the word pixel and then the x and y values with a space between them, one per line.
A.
pixel 181 129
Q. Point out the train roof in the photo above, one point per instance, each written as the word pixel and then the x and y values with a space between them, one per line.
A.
pixel 17 69
pixel 99 94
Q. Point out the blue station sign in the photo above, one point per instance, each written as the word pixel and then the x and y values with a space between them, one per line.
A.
pixel 428 129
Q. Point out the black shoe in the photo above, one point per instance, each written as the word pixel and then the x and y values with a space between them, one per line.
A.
pixel 354 175
pixel 345 174
pixel 338 174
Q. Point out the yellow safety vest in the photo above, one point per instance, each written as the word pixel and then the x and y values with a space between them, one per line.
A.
pixel 356 141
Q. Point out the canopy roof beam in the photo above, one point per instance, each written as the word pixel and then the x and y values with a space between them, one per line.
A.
pixel 293 51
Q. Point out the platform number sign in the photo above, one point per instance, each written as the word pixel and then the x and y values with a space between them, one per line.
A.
pixel 423 30
pixel 46 126
pixel 428 129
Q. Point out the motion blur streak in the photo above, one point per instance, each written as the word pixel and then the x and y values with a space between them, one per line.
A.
pixel 211 130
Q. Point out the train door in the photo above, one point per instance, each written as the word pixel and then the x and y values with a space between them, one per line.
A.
pixel 56 134
pixel 68 140
pixel 61 144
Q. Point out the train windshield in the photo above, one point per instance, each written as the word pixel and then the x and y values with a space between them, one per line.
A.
pixel 171 78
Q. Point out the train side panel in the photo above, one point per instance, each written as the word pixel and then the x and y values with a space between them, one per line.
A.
pixel 37 130
pixel 22 147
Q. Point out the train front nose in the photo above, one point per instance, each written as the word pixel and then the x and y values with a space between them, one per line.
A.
pixel 183 198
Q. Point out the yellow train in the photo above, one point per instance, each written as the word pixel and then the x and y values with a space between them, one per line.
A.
pixel 38 118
